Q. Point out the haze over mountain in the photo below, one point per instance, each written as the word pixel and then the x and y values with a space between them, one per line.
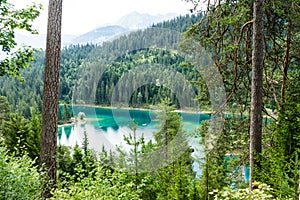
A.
pixel 101 34
pixel 39 41
pixel 126 24
pixel 137 20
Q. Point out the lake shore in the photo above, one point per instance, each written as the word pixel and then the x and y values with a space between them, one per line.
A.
pixel 154 109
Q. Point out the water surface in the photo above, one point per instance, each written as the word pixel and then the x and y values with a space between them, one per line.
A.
pixel 106 127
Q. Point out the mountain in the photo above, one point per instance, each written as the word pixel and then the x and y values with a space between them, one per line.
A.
pixel 126 24
pixel 101 35
pixel 137 20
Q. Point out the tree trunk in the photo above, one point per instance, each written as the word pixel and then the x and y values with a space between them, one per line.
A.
pixel 256 89
pixel 50 95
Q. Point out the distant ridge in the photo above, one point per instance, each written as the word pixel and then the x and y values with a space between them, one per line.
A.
pixel 126 24
pixel 100 34
pixel 137 20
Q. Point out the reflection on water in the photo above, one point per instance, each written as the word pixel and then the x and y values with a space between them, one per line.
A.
pixel 106 127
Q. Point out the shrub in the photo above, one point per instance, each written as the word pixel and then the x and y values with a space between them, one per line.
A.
pixel 262 192
pixel 19 178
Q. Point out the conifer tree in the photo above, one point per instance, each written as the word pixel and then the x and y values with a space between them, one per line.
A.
pixel 50 95
pixel 173 180
pixel 256 89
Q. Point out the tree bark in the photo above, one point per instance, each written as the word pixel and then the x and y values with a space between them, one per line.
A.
pixel 50 95
pixel 286 63
pixel 256 89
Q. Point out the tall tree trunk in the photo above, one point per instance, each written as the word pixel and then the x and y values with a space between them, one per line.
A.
pixel 256 89
pixel 50 96
pixel 286 62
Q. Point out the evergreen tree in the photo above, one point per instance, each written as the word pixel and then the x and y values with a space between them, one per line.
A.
pixel 4 108
pixel 66 115
pixel 227 34
pixel 174 180
pixel 256 90
pixel 50 94
pixel 22 136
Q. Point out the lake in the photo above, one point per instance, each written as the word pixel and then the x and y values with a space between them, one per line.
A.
pixel 106 127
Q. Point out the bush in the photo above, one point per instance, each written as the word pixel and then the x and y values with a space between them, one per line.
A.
pixel 19 178
pixel 105 185
pixel 263 192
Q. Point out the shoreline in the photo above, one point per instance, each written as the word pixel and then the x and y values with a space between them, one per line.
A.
pixel 143 109
pixel 208 112
pixel 64 125
pixel 75 121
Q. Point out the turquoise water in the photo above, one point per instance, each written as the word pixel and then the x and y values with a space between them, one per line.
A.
pixel 106 127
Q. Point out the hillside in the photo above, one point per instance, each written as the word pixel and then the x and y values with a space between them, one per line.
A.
pixel 81 65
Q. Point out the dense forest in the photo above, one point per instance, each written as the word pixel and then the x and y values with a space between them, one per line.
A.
pixel 154 67
pixel 95 70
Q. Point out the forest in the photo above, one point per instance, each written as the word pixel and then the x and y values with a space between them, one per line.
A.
pixel 248 80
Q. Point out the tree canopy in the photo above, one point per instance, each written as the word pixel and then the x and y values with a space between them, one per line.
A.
pixel 12 19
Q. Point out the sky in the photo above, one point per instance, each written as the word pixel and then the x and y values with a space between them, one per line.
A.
pixel 82 16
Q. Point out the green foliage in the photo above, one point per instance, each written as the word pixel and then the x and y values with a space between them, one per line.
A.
pixel 224 157
pixel 173 181
pixel 4 107
pixel 66 115
pixel 80 64
pixel 75 164
pixel 21 135
pixel 263 192
pixel 137 164
pixel 12 19
pixel 123 176
pixel 165 65
pixel 281 160
pixel 19 178
pixel 213 174
pixel 82 176
pixel 72 58
pixel 226 31
pixel 104 184
pixel 170 124
pixel 29 94
pixel 181 23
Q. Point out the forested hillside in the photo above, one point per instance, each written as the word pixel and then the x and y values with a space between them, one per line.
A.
pixel 80 64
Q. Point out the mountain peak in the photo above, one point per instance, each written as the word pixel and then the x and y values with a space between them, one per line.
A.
pixel 136 20
pixel 101 34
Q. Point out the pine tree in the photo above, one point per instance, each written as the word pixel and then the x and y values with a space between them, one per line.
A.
pixel 50 95
pixel 4 108
pixel 256 90
pixel 66 115
pixel 174 179
pixel 21 136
